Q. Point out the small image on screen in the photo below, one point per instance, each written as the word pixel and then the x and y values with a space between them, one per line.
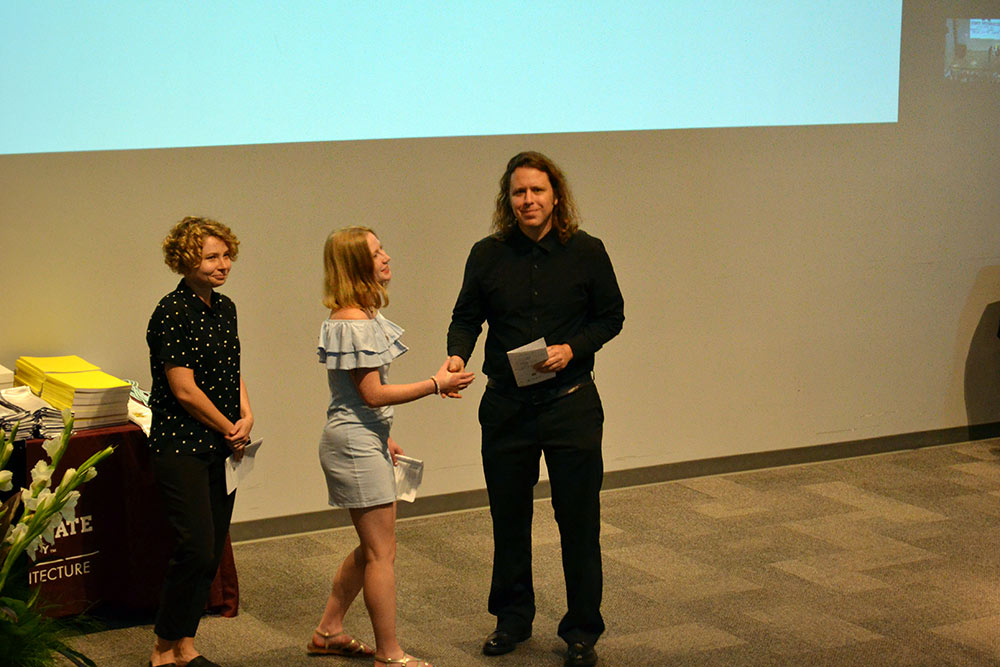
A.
pixel 972 50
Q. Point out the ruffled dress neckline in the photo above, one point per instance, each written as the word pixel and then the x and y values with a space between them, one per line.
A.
pixel 350 344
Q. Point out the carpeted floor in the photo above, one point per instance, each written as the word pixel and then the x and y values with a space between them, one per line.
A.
pixel 883 560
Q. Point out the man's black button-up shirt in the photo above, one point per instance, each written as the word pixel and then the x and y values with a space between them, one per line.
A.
pixel 526 290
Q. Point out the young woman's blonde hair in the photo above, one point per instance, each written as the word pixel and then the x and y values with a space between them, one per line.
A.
pixel 182 246
pixel 349 272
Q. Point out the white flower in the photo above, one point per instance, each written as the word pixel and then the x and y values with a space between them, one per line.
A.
pixel 42 470
pixel 32 548
pixel 67 478
pixel 29 500
pixel 68 510
pixel 52 447
pixel 41 475
pixel 44 501
pixel 17 533
pixel 89 474
pixel 49 534
pixel 5 480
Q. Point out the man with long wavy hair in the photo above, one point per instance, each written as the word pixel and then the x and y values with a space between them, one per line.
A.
pixel 539 276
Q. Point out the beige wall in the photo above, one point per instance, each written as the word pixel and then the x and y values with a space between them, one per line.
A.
pixel 784 287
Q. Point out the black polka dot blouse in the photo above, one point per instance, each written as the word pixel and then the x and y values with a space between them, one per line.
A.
pixel 185 332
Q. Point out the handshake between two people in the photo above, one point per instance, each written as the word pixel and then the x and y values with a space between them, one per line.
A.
pixel 451 378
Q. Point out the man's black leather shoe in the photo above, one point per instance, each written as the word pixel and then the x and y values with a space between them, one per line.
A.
pixel 500 642
pixel 202 661
pixel 580 655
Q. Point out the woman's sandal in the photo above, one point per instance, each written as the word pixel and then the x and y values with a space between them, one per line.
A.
pixel 405 660
pixel 352 649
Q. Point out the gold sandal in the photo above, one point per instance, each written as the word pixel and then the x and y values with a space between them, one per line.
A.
pixel 405 660
pixel 352 649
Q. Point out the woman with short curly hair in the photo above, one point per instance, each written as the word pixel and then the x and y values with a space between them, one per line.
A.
pixel 201 415
pixel 182 246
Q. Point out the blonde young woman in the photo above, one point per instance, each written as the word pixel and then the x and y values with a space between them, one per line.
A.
pixel 357 344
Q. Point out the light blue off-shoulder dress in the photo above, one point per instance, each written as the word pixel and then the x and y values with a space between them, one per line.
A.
pixel 354 449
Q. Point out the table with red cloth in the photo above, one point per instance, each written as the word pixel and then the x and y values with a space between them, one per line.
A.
pixel 115 551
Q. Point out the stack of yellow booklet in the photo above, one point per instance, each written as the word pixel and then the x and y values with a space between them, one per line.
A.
pixel 31 371
pixel 96 398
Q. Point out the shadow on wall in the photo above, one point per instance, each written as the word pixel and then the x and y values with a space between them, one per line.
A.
pixel 982 375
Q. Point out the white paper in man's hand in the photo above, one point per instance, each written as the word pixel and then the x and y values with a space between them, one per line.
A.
pixel 409 474
pixel 524 359
pixel 236 471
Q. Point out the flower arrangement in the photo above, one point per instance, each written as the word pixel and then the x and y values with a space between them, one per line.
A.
pixel 27 637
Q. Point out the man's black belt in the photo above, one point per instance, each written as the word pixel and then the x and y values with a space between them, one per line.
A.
pixel 538 394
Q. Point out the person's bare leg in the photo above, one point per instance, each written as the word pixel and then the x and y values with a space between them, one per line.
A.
pixel 184 651
pixel 173 651
pixel 163 652
pixel 376 528
pixel 347 583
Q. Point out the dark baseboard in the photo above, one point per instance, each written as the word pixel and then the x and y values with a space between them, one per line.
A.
pixel 616 479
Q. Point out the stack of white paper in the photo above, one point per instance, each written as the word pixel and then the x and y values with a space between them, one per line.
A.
pixel 12 416
pixel 47 420
pixel 6 377
pixel 96 398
